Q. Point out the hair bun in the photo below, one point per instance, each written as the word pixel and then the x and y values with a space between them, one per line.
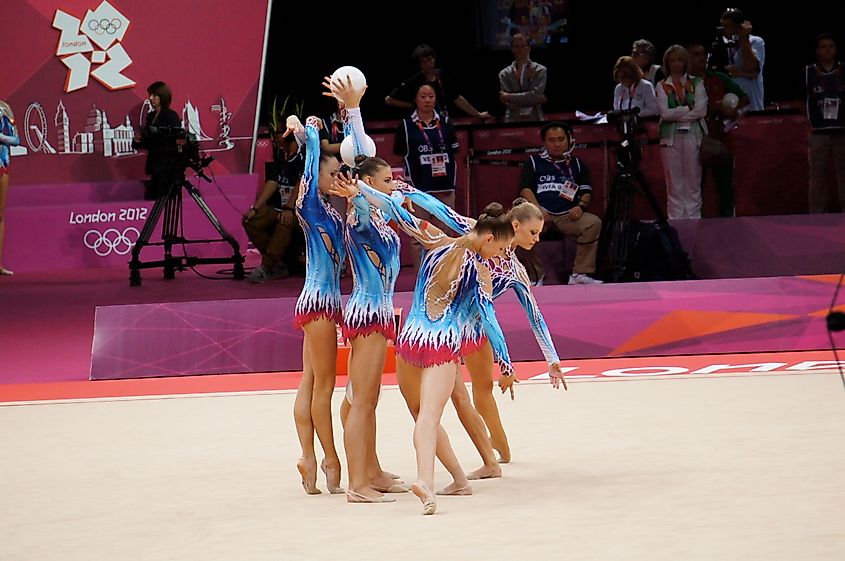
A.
pixel 518 201
pixel 493 210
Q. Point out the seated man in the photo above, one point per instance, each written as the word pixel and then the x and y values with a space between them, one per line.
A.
pixel 560 185
pixel 271 223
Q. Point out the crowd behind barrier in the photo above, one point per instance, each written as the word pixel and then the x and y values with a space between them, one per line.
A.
pixel 771 175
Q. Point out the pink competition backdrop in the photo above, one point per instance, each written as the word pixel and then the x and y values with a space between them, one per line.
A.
pixel 208 52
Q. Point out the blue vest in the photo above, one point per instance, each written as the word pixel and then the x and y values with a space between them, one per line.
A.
pixel 426 147
pixel 555 180
pixel 825 85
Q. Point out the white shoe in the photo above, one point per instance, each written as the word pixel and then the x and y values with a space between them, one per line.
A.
pixel 581 278
pixel 258 275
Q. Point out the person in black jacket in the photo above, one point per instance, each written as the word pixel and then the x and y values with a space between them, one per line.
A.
pixel 154 138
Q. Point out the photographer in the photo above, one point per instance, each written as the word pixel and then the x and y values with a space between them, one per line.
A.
pixel 740 55
pixel 159 165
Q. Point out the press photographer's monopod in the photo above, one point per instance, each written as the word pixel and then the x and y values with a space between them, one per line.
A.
pixel 183 154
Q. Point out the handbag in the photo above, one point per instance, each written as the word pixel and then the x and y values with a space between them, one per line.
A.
pixel 713 151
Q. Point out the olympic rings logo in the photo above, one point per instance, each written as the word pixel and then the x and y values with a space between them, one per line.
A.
pixel 104 26
pixel 111 241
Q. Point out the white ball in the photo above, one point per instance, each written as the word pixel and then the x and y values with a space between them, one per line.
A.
pixel 348 151
pixel 730 100
pixel 344 72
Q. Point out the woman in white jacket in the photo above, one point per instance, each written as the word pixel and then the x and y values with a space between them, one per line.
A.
pixel 682 103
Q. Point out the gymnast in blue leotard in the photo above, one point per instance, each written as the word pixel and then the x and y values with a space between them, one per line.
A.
pixel 452 294
pixel 318 309
pixel 507 272
pixel 373 249
pixel 8 138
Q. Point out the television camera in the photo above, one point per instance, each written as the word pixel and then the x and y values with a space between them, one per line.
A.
pixel 180 150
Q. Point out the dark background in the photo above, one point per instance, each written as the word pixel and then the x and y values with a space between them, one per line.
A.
pixel 379 39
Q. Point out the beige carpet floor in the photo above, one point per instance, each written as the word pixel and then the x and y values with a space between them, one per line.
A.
pixel 681 469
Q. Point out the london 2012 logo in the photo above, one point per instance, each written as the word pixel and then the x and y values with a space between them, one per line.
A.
pixel 93 41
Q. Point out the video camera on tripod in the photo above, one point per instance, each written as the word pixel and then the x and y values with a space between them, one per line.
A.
pixel 629 249
pixel 627 122
pixel 181 149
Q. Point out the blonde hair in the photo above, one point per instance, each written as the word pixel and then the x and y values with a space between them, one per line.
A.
pixel 681 52
pixel 627 63
pixel 7 109
pixel 523 210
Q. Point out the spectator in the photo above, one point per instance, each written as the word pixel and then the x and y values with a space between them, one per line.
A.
pixel 722 115
pixel 825 101
pixel 631 89
pixel 682 102
pixel 271 222
pixel 403 96
pixel 427 143
pixel 644 54
pixel 522 84
pixel 559 184
pixel 741 55
pixel 8 138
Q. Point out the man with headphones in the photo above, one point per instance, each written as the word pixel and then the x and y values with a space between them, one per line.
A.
pixel 559 183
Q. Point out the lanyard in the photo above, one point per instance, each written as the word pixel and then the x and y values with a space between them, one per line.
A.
pixel 424 132
pixel 631 93
pixel 681 90
pixel 568 162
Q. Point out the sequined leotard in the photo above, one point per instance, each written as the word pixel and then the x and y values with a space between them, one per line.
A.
pixel 325 253
pixel 452 303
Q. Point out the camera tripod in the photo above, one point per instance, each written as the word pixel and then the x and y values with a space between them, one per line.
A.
pixel 169 206
pixel 615 241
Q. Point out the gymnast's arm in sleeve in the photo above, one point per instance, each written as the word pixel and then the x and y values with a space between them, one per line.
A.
pixel 309 196
pixel 427 234
pixel 538 324
pixel 494 332
pixel 458 223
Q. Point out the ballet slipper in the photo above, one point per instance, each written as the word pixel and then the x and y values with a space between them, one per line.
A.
pixel 333 486
pixel 485 472
pixel 455 491
pixel 425 495
pixel 353 497
pixel 309 478
pixel 394 488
